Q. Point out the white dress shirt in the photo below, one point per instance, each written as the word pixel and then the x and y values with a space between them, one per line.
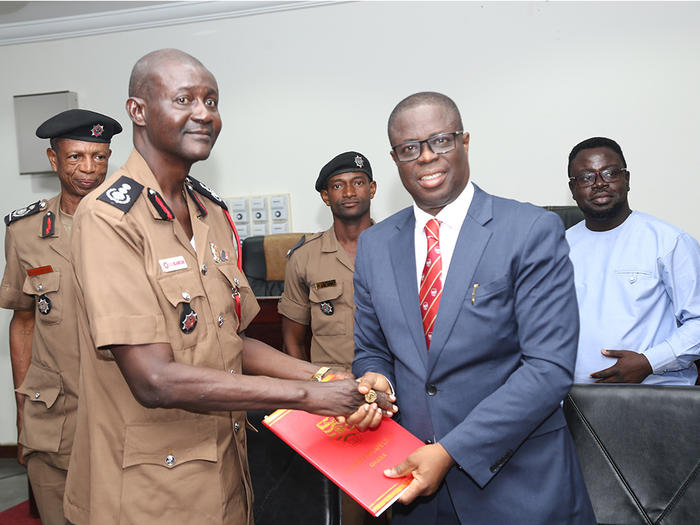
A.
pixel 451 218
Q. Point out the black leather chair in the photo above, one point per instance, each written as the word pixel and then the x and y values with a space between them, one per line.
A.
pixel 264 260
pixel 639 448
pixel 569 215
pixel 288 490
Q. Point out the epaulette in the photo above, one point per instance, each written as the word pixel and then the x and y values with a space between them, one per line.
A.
pixel 301 243
pixel 203 189
pixel 33 208
pixel 122 194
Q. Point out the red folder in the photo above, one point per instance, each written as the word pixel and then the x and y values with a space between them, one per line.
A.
pixel 353 460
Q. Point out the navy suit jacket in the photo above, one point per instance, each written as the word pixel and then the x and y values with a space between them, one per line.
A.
pixel 501 359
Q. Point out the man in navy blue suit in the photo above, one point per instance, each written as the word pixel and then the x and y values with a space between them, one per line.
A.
pixel 465 306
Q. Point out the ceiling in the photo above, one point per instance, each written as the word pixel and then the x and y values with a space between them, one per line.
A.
pixel 23 22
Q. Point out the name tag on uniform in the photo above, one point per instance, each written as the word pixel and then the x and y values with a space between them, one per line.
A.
pixel 173 263
pixel 31 272
pixel 325 284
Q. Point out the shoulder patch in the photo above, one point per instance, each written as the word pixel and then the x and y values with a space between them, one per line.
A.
pixel 21 213
pixel 299 243
pixel 122 194
pixel 202 188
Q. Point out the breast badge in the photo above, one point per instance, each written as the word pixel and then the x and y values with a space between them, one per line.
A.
pixel 43 304
pixel 327 307
pixel 188 318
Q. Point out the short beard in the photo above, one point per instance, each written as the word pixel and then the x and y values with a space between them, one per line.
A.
pixel 603 215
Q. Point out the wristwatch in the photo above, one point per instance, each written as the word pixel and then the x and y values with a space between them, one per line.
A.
pixel 318 376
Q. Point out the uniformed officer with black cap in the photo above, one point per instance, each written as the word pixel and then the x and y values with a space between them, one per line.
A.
pixel 318 288
pixel 38 286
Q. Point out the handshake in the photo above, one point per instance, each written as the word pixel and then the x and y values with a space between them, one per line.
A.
pixel 361 402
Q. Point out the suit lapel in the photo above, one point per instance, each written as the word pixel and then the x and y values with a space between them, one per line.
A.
pixel 404 264
pixel 471 243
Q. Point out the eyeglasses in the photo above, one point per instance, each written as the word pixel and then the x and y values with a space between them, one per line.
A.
pixel 440 144
pixel 588 179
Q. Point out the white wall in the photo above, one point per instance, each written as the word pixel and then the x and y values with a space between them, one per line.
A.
pixel 298 87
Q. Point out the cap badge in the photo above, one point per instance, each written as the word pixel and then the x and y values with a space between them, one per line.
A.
pixel 97 130
pixel 119 195
pixel 359 161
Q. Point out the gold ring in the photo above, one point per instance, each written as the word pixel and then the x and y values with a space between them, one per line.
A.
pixel 371 396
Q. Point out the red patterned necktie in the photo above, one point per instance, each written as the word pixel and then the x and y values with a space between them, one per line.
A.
pixel 431 280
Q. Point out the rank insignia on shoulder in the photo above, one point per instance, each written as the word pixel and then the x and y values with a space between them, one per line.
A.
pixel 202 188
pixel 325 284
pixel 160 205
pixel 48 224
pixel 122 194
pixel 327 307
pixel 299 243
pixel 21 213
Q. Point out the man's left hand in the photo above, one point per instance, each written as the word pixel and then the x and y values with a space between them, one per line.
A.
pixel 631 367
pixel 428 465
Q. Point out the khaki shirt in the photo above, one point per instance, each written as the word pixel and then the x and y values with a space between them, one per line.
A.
pixel 51 383
pixel 318 290
pixel 136 275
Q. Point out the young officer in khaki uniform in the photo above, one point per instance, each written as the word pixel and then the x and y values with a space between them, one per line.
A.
pixel 38 286
pixel 318 289
pixel 162 309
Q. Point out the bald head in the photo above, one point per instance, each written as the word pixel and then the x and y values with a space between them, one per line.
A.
pixel 152 64
pixel 425 98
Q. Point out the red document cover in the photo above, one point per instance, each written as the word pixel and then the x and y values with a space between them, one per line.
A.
pixel 353 460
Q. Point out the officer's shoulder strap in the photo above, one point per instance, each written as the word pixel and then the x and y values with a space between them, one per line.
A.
pixel 122 194
pixel 203 189
pixel 302 242
pixel 21 213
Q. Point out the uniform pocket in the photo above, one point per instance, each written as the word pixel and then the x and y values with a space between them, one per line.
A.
pixel 45 288
pixel 326 310
pixel 170 473
pixel 44 412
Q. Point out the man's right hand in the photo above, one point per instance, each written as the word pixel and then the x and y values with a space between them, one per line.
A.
pixel 370 416
pixel 343 398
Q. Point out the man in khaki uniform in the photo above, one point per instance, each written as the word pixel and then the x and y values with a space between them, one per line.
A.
pixel 38 286
pixel 318 289
pixel 163 306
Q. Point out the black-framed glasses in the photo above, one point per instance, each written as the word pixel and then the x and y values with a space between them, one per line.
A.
pixel 583 180
pixel 439 144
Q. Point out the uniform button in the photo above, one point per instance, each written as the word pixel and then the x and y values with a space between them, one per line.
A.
pixel 39 287
pixel 186 296
pixel 431 390
pixel 221 320
pixel 428 441
pixel 170 460
pixel 37 395
pixel 232 371
pixel 236 427
pixel 204 269
pixel 633 278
